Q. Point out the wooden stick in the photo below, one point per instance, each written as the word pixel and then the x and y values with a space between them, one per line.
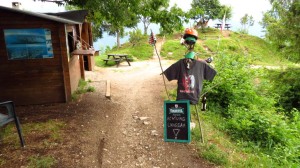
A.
pixel 107 94
pixel 200 127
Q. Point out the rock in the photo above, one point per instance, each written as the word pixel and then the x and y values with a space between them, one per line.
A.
pixel 146 123
pixel 143 118
pixel 154 132
pixel 192 125
pixel 140 159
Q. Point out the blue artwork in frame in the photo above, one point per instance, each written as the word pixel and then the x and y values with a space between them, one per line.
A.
pixel 177 121
pixel 28 43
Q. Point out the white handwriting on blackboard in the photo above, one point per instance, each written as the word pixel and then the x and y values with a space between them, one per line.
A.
pixel 176 125
pixel 175 118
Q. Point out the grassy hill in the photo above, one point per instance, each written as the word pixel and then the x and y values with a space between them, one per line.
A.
pixel 210 43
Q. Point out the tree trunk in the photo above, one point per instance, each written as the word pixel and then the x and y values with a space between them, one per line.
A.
pixel 145 29
pixel 118 39
pixel 202 23
pixel 146 22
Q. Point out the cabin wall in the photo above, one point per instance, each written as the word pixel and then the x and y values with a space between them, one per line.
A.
pixel 34 81
pixel 74 66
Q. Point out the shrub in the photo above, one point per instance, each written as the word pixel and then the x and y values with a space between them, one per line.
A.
pixel 250 116
pixel 135 37
pixel 286 84
pixel 233 84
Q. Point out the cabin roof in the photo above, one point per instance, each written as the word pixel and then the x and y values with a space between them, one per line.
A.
pixel 75 15
pixel 41 15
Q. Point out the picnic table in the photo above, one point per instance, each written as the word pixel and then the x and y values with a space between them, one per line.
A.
pixel 117 58
pixel 219 25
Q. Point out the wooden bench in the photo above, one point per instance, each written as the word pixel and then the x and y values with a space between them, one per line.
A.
pixel 116 60
pixel 227 27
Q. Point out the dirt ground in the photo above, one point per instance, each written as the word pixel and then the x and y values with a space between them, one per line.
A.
pixel 125 131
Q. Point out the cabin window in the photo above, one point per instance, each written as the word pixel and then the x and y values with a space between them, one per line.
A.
pixel 28 43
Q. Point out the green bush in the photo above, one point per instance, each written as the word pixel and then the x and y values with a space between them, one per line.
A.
pixel 249 115
pixel 286 84
pixel 233 84
pixel 135 37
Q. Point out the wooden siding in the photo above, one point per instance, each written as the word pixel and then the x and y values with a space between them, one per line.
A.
pixel 74 65
pixel 34 81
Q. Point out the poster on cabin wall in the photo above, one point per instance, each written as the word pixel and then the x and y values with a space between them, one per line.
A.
pixel 28 43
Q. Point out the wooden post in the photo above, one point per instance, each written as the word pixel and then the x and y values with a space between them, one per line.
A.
pixel 107 94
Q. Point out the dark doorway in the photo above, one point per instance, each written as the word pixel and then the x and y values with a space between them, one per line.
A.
pixel 86 62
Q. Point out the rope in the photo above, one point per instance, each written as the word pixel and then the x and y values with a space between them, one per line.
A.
pixel 85 43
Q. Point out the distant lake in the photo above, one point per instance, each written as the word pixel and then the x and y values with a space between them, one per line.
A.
pixel 100 44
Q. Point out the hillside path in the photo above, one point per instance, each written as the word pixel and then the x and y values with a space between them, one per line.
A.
pixel 134 114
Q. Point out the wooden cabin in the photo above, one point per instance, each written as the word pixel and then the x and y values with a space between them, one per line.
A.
pixel 36 61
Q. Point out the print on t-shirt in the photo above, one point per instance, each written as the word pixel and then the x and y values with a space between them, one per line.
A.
pixel 188 82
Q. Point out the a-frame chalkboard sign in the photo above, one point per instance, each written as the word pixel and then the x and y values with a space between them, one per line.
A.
pixel 177 121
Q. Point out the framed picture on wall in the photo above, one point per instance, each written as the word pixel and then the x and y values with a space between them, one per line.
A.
pixel 28 43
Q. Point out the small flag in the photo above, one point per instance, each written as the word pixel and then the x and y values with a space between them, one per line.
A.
pixel 152 39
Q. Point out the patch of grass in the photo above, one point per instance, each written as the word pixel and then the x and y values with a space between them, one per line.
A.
pixel 213 154
pixel 257 49
pixel 141 51
pixel 2 161
pixel 49 132
pixel 174 51
pixel 41 161
pixel 83 87
pixel 90 89
pixel 100 63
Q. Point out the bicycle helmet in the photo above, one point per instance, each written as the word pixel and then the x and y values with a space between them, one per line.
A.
pixel 190 32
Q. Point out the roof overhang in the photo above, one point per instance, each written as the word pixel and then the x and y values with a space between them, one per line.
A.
pixel 41 15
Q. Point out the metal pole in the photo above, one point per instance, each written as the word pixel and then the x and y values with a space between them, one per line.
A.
pixel 200 127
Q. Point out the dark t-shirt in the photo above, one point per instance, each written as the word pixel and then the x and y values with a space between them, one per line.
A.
pixel 190 81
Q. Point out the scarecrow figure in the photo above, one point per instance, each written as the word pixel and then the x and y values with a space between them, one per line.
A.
pixel 190 72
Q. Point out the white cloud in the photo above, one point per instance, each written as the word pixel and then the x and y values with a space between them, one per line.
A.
pixel 254 8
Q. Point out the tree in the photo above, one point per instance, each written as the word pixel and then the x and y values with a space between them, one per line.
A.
pixel 203 10
pixel 225 10
pixel 282 25
pixel 118 15
pixel 114 16
pixel 108 15
pixel 170 20
pixel 147 10
pixel 246 21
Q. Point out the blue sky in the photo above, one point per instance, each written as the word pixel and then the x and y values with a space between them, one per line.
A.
pixel 254 8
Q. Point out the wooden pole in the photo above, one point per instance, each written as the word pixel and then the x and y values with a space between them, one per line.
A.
pixel 200 127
